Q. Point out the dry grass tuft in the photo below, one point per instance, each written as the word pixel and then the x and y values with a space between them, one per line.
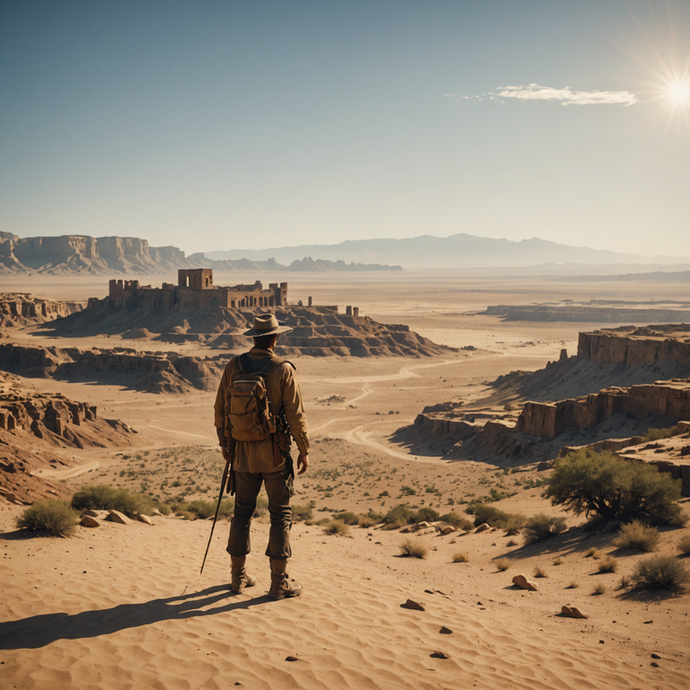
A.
pixel 337 527
pixel 607 565
pixel 460 557
pixel 599 588
pixel 637 536
pixel 593 553
pixel 413 548
pixel 624 582
pixel 684 545
pixel 540 572
pixel 502 564
pixel 557 561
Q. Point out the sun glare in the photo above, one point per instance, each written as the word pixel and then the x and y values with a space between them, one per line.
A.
pixel 678 93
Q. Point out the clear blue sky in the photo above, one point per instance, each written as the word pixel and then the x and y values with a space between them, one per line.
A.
pixel 224 124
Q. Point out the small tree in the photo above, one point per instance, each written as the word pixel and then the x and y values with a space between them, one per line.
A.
pixel 606 487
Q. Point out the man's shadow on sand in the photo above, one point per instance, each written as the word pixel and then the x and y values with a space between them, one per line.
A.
pixel 39 631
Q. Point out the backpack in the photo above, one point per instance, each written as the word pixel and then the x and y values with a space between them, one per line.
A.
pixel 249 412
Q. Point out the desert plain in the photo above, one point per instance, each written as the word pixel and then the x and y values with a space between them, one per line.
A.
pixel 124 606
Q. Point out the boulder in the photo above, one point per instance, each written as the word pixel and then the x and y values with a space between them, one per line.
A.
pixel 525 583
pixel 145 519
pixel 482 528
pixel 414 605
pixel 89 521
pixel 572 612
pixel 117 516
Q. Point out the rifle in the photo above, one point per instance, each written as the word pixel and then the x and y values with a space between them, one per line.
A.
pixel 215 517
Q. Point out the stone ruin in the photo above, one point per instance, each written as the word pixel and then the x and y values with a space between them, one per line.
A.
pixel 194 290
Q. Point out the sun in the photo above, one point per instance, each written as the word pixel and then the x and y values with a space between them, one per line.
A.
pixel 678 93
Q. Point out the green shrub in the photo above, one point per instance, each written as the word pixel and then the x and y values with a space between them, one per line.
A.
pixel 413 548
pixel 514 525
pixel 337 527
pixel 656 434
pixel 56 517
pixel 302 512
pixel 104 497
pixel 660 572
pixel 425 514
pixel 348 518
pixel 400 514
pixel 540 527
pixel 366 521
pixel 637 536
pixel 606 487
pixel 457 521
pixel 488 514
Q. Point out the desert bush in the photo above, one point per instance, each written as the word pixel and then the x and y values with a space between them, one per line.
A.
pixel 201 509
pixel 557 561
pixel 540 527
pixel 337 527
pixel 607 565
pixel 515 524
pixel 656 434
pixel 599 588
pixel 624 582
pixel 511 542
pixel 186 515
pixel 637 536
pixel 366 521
pixel 460 557
pixel 502 564
pixel 348 517
pixel 457 521
pixel 302 512
pixel 684 545
pixel 540 572
pixel 104 497
pixel 400 514
pixel 491 515
pixel 426 514
pixel 592 553
pixel 396 524
pixel 574 584
pixel 606 487
pixel 53 516
pixel 660 572
pixel 413 548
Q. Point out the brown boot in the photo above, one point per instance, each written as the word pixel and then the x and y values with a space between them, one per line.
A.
pixel 240 579
pixel 281 585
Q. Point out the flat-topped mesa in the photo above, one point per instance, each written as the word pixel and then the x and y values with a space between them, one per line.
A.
pixel 194 290
pixel 636 347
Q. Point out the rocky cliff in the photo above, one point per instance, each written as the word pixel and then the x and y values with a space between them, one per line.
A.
pixel 17 309
pixel 151 372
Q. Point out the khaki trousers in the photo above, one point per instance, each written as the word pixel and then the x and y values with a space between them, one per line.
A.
pixel 247 486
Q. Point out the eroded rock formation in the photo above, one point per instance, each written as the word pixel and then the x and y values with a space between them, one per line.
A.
pixel 22 309
pixel 151 372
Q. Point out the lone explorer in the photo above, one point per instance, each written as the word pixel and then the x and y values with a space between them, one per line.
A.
pixel 258 406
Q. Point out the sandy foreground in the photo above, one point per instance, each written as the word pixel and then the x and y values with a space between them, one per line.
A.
pixel 124 606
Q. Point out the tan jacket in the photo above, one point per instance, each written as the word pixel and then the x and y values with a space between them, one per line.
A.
pixel 283 390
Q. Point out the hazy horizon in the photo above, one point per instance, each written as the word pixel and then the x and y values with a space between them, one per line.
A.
pixel 218 126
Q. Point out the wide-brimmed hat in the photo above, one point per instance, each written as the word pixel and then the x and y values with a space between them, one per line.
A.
pixel 266 324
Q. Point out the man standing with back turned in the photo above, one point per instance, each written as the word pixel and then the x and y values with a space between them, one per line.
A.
pixel 266 460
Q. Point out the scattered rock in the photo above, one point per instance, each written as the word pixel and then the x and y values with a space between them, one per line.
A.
pixel 438 655
pixel 655 656
pixel 482 528
pixel 291 658
pixel 654 664
pixel 525 583
pixel 414 605
pixel 90 513
pixel 145 519
pixel 89 521
pixel 447 530
pixel 117 516
pixel 445 631
pixel 573 612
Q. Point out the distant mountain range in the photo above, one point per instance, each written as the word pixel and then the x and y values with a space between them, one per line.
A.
pixel 132 255
pixel 427 251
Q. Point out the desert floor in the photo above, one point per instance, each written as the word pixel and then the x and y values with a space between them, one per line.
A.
pixel 125 607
